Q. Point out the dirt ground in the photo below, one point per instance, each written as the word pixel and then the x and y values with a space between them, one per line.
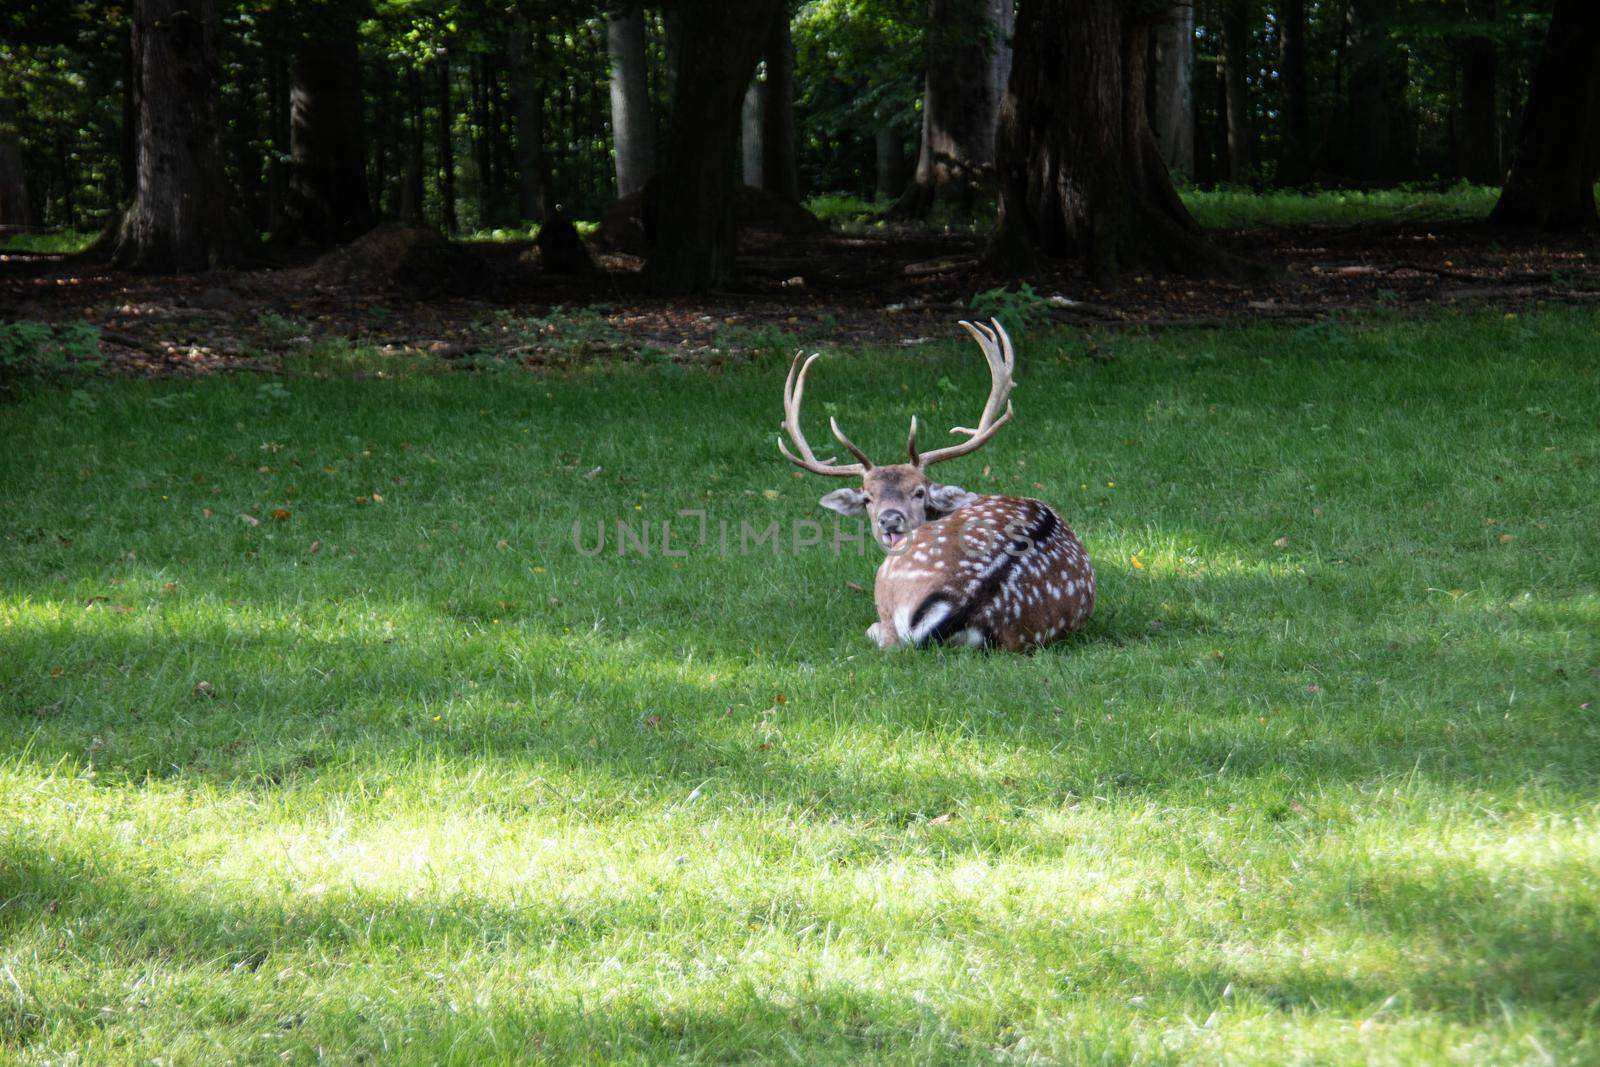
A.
pixel 854 289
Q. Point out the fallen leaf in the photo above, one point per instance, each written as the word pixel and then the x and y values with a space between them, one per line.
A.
pixel 502 544
pixel 169 587
pixel 280 514
pixel 316 546
pixel 376 499
pixel 206 513
pixel 855 587
pixel 651 722
pixel 1506 539
pixel 1134 559
pixel 1282 542
pixel 1314 689
pixel 362 502
pixel 205 689
pixel 249 520
pixel 941 820
pixel 770 494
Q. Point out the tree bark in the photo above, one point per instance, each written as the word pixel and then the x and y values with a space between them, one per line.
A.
pixel 890 156
pixel 630 97
pixel 1172 106
pixel 1557 158
pixel 13 180
pixel 751 111
pixel 1080 172
pixel 447 147
pixel 411 187
pixel 959 114
pixel 527 112
pixel 1294 139
pixel 179 219
pixel 1370 145
pixel 780 169
pixel 1480 128
pixel 689 208
pixel 328 200
pixel 1236 65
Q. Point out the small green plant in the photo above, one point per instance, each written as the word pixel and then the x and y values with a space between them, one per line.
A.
pixel 1019 311
pixel 756 341
pixel 565 333
pixel 280 331
pixel 36 352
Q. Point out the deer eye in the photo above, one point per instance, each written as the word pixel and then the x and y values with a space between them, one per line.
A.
pixel 919 494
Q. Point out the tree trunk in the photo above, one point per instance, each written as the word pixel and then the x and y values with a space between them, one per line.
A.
pixel 1480 140
pixel 751 151
pixel 689 208
pixel 447 148
pixel 1080 172
pixel 1236 65
pixel 630 97
pixel 13 180
pixel 179 218
pixel 891 161
pixel 780 170
pixel 278 133
pixel 1172 109
pixel 527 112
pixel 411 188
pixel 328 200
pixel 1557 158
pixel 959 116
pixel 1370 147
pixel 1294 142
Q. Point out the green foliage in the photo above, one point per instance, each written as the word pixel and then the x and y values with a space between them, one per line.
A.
pixel 37 354
pixel 321 742
pixel 1020 311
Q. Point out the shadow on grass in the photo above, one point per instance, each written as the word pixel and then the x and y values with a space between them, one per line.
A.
pixel 897 738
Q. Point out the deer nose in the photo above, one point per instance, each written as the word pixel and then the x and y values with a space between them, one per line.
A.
pixel 892 521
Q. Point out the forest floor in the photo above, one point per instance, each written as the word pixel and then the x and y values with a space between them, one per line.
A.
pixel 838 288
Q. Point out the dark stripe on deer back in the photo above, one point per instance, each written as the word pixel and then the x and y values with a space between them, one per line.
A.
pixel 961 618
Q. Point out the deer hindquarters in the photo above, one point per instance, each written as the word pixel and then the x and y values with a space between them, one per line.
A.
pixel 1002 571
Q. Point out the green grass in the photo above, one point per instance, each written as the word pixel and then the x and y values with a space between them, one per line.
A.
pixel 46 242
pixel 1242 209
pixel 1316 785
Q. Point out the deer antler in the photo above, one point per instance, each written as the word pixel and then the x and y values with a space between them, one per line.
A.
pixel 997 352
pixel 793 389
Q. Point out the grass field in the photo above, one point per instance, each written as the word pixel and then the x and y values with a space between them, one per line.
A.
pixel 319 739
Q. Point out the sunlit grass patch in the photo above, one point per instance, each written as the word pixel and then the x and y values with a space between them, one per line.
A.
pixel 319 736
pixel 47 242
pixel 1238 209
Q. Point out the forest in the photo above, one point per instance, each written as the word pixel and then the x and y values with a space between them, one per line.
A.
pixel 428 633
pixel 295 123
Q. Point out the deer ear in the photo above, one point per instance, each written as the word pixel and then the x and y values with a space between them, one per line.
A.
pixel 943 499
pixel 846 501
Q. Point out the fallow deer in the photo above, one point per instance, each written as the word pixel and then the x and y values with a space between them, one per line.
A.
pixel 961 567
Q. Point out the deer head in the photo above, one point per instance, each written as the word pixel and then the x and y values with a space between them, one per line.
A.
pixel 900 497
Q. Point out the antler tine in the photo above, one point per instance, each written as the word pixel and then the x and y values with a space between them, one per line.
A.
pixel 850 447
pixel 911 443
pixel 1000 356
pixel 794 388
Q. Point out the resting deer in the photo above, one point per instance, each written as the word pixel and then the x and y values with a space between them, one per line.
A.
pixel 983 570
